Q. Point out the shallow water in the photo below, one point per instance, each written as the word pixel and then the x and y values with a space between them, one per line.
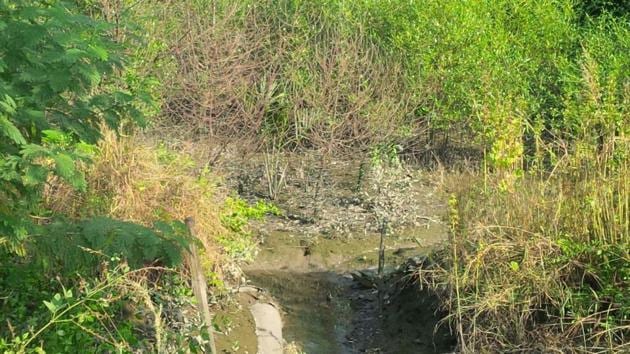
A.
pixel 315 314
pixel 326 311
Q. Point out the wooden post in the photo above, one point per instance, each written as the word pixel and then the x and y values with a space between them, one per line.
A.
pixel 381 266
pixel 199 286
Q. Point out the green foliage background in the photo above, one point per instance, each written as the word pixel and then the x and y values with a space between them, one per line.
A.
pixel 63 78
pixel 499 76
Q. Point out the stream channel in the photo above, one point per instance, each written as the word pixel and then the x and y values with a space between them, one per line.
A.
pixel 325 291
pixel 317 264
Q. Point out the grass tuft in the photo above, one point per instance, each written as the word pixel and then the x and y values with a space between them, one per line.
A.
pixel 138 179
pixel 544 267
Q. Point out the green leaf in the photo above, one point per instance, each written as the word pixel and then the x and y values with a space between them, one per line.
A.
pixel 11 131
pixel 64 166
pixel 91 74
pixel 60 80
pixel 56 137
pixel 32 151
pixel 75 53
pixel 35 175
pixel 66 169
pixel 37 114
pixel 8 104
pixel 100 52
pixel 51 306
pixel 86 150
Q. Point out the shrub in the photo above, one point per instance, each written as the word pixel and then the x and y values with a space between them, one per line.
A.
pixel 239 242
pixel 342 75
pixel 542 267
pixel 292 74
pixel 122 310
pixel 54 95
pixel 139 180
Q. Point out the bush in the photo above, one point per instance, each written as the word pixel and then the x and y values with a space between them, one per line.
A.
pixel 140 180
pixel 62 83
pixel 342 75
pixel 121 310
pixel 287 73
pixel 55 92
pixel 544 267
pixel 554 248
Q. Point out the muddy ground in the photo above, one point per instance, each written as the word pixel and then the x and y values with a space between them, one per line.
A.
pixel 317 263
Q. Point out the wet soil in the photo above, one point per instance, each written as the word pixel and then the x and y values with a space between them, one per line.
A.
pixel 329 300
pixel 318 263
pixel 342 197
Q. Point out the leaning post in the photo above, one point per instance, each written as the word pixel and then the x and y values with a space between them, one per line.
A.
pixel 381 265
pixel 199 285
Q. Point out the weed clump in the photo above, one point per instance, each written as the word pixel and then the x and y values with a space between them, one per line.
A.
pixel 140 180
pixel 543 266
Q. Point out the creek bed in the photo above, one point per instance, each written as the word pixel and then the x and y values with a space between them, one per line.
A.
pixel 325 310
pixel 314 311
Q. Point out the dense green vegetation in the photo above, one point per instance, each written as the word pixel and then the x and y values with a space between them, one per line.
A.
pixel 54 97
pixel 534 95
pixel 355 73
pixel 61 84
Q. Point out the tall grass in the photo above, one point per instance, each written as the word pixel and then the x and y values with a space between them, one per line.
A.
pixel 345 75
pixel 544 265
pixel 149 180
pixel 294 74
pixel 138 179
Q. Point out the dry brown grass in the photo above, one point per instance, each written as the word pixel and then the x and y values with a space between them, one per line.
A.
pixel 137 179
pixel 542 268
pixel 251 73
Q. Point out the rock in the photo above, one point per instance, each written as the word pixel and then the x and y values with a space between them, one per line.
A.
pixel 365 279
pixel 268 328
pixel 417 261
pixel 301 219
pixel 402 250
pixel 250 289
